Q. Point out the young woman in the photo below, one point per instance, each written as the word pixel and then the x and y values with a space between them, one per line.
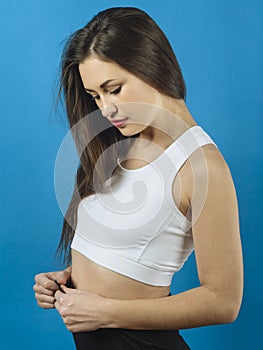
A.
pixel 171 191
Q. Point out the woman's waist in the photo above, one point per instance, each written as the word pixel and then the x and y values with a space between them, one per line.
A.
pixel 90 276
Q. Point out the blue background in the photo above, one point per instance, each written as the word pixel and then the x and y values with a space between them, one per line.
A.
pixel 219 47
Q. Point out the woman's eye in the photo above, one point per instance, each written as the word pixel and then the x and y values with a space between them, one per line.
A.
pixel 116 91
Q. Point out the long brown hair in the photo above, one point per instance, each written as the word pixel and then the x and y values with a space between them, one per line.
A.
pixel 129 37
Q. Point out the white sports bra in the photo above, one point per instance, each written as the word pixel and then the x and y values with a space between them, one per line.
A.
pixel 134 227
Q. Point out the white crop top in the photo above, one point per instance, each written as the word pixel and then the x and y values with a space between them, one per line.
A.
pixel 134 227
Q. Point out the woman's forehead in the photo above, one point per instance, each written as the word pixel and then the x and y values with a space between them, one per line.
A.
pixel 95 72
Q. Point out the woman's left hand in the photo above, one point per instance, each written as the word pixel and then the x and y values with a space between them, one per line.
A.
pixel 80 310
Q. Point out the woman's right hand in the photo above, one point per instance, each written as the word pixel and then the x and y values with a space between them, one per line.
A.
pixel 47 284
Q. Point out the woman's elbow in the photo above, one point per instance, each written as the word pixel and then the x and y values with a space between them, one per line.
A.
pixel 226 304
pixel 231 314
pixel 230 311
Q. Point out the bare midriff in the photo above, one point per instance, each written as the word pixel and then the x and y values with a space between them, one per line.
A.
pixel 92 277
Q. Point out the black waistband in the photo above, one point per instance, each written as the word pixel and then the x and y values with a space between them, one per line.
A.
pixel 130 339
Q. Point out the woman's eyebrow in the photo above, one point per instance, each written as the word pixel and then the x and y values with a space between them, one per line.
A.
pixel 102 85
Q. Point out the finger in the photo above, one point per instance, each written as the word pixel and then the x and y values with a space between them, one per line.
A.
pixel 67 320
pixel 62 277
pixel 68 290
pixel 59 308
pixel 45 305
pixel 59 296
pixel 44 298
pixel 52 283
pixel 46 280
pixel 41 290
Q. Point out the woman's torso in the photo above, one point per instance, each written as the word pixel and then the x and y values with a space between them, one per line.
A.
pixel 87 275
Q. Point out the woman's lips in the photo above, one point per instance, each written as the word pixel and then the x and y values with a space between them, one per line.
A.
pixel 119 122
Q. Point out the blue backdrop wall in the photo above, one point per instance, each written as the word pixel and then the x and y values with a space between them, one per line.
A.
pixel 219 47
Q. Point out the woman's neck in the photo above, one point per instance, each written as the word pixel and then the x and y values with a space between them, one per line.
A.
pixel 173 119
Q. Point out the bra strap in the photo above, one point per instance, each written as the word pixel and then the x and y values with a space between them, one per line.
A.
pixel 187 143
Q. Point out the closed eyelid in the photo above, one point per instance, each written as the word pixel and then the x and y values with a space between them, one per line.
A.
pixel 117 89
pixel 113 86
pixel 104 88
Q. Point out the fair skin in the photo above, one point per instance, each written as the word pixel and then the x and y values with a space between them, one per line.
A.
pixel 103 298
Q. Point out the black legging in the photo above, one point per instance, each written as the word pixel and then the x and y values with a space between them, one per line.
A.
pixel 129 339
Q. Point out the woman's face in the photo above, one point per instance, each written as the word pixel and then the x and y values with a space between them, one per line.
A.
pixel 112 88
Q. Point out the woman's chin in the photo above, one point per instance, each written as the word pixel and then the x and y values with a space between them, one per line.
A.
pixel 131 129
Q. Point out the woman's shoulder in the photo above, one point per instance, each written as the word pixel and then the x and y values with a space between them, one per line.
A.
pixel 209 159
pixel 204 168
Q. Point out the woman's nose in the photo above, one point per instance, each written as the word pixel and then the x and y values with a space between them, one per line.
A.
pixel 108 110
